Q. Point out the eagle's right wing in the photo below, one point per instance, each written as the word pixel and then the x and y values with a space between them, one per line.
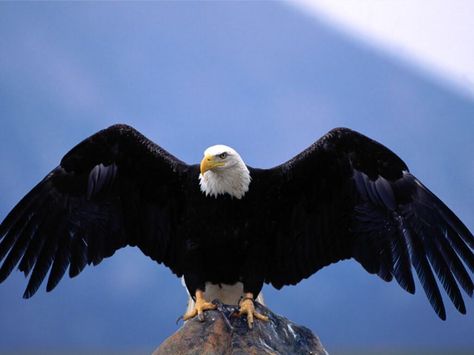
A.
pixel 115 188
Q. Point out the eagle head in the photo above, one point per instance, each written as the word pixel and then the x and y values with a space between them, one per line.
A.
pixel 223 171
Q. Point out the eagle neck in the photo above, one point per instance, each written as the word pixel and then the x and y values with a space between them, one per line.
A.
pixel 234 180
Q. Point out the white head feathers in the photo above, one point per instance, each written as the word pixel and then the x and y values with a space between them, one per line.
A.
pixel 223 171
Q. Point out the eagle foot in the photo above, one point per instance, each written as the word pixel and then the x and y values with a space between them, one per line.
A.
pixel 247 307
pixel 200 306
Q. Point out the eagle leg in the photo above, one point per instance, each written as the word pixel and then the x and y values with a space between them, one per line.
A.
pixel 200 306
pixel 247 307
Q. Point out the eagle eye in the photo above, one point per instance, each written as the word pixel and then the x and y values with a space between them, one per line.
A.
pixel 223 155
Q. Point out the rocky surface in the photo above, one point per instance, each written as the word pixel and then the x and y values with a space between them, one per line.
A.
pixel 223 333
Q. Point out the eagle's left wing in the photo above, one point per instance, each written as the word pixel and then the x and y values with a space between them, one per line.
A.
pixel 347 196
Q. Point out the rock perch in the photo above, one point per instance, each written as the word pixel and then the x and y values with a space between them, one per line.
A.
pixel 221 333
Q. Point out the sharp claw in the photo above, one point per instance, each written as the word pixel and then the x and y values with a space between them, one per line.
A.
pixel 250 319
pixel 201 317
pixel 188 316
pixel 261 317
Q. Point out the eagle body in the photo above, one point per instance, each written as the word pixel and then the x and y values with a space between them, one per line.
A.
pixel 221 244
pixel 223 223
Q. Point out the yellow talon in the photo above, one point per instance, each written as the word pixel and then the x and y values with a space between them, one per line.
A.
pixel 247 307
pixel 200 306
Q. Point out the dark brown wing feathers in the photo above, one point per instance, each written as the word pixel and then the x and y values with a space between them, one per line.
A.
pixel 348 196
pixel 116 188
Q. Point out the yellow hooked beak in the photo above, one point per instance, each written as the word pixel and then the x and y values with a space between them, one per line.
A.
pixel 209 162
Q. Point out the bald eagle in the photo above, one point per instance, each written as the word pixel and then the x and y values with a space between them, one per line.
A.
pixel 224 223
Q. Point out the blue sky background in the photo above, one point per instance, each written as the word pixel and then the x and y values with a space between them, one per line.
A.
pixel 260 77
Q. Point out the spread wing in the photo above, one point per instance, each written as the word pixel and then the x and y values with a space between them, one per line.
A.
pixel 116 188
pixel 347 196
